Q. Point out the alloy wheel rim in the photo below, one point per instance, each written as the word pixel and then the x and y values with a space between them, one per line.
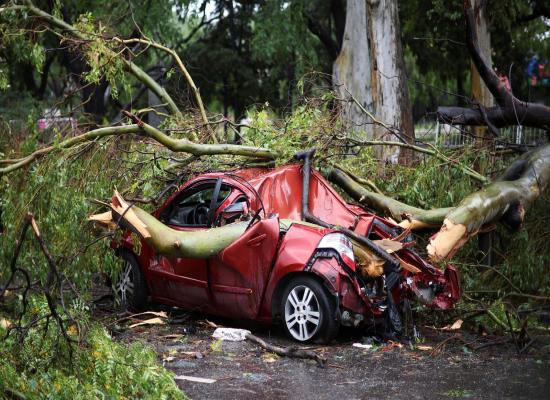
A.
pixel 125 286
pixel 302 313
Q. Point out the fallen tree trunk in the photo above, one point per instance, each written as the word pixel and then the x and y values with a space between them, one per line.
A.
pixel 407 216
pixel 165 240
pixel 505 199
pixel 499 117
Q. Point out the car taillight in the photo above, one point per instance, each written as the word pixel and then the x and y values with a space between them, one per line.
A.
pixel 341 244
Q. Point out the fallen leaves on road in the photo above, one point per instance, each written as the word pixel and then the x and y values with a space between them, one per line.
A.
pixel 270 358
pixel 454 327
pixel 392 345
pixel 152 321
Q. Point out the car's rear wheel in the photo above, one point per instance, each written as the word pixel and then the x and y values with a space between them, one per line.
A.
pixel 307 311
pixel 131 289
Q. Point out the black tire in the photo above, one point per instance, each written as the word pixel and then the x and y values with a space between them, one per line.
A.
pixel 130 289
pixel 299 316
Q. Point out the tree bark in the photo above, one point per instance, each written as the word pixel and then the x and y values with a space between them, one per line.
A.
pixel 351 70
pixel 390 91
pixel 505 199
pixel 407 216
pixel 165 240
pixel 510 110
pixel 480 92
pixel 371 67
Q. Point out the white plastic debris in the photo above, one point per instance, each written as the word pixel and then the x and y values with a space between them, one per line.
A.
pixel 362 346
pixel 231 334
pixel 194 379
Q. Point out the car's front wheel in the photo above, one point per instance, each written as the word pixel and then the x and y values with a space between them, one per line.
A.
pixel 308 312
pixel 131 289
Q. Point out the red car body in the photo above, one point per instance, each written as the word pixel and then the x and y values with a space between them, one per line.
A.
pixel 246 279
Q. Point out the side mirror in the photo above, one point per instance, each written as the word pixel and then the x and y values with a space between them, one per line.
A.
pixel 234 210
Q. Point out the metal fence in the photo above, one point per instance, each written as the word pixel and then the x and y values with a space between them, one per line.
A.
pixel 450 136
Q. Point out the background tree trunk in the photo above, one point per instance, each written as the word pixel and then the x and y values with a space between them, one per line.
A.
pixel 371 67
pixel 479 90
pixel 390 92
pixel 351 70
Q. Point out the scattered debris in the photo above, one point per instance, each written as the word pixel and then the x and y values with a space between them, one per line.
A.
pixel 362 346
pixel 237 335
pixel 392 345
pixel 4 323
pixel 454 327
pixel 192 354
pixel 152 321
pixel 161 314
pixel 231 334
pixel 270 358
pixel 194 379
pixel 290 351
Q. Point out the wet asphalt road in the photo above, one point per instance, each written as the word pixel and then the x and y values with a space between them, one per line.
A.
pixel 243 370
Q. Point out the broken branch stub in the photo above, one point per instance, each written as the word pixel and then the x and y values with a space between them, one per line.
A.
pixel 165 240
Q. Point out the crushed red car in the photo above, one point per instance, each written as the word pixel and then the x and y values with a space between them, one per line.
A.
pixel 294 264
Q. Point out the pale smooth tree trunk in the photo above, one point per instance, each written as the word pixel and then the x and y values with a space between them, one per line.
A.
pixel 389 78
pixel 352 71
pixel 480 91
pixel 371 67
pixel 482 95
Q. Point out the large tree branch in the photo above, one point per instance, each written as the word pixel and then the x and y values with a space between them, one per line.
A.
pixel 505 200
pixel 512 111
pixel 143 129
pixel 183 70
pixel 165 240
pixel 141 75
pixel 525 115
pixel 407 216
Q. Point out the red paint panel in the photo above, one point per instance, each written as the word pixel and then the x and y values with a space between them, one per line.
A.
pixel 239 274
pixel 294 252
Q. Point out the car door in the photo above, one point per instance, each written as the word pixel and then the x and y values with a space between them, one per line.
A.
pixel 186 279
pixel 239 274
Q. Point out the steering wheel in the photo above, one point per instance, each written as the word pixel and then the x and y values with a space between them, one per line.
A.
pixel 199 215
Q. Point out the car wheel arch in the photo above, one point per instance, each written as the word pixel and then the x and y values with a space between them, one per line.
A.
pixel 283 282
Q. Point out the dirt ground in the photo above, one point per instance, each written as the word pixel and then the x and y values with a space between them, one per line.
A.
pixel 436 369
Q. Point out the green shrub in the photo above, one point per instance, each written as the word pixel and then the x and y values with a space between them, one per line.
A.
pixel 40 367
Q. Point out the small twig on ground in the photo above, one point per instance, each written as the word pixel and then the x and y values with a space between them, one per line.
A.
pixel 291 351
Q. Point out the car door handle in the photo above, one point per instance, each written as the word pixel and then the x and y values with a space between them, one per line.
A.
pixel 256 240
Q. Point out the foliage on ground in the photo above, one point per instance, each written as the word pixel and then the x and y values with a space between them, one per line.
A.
pixel 40 366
